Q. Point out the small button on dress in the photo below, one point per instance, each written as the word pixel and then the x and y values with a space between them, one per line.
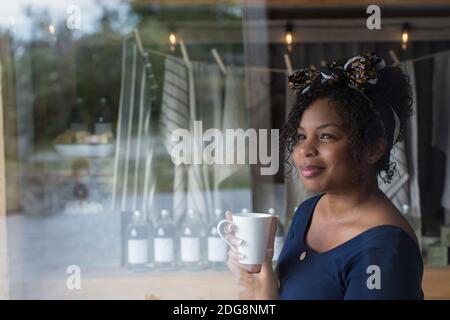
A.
pixel 303 256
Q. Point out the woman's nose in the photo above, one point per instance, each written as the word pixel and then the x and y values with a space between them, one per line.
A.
pixel 308 148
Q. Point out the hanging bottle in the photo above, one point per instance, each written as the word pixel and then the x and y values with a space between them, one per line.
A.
pixel 413 222
pixel 279 238
pixel 164 243
pixel 103 121
pixel 192 240
pixel 137 243
pixel 76 122
pixel 405 209
pixel 217 248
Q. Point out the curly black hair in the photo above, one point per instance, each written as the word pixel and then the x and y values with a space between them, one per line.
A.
pixel 364 114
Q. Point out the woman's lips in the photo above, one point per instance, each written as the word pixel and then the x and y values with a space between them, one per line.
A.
pixel 311 171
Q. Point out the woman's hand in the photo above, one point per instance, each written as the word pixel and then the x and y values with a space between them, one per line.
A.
pixel 255 281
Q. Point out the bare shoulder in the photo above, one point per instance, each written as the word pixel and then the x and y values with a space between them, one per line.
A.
pixel 387 214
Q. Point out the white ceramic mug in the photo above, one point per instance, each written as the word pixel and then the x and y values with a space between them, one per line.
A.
pixel 253 229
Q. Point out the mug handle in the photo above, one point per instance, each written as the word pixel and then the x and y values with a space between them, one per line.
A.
pixel 219 227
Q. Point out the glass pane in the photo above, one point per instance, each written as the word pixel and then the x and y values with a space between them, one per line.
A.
pixel 131 127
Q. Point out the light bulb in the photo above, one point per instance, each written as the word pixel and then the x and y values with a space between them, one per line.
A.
pixel 289 38
pixel 173 41
pixel 404 40
pixel 405 36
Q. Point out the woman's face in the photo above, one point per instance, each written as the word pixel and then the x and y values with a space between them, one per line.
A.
pixel 323 152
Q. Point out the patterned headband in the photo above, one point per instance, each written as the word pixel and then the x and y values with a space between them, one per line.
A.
pixel 359 72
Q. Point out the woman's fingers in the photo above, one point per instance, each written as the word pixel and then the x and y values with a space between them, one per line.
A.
pixel 234 255
pixel 230 227
pixel 233 239
pixel 236 267
pixel 232 266
pixel 233 262
pixel 248 268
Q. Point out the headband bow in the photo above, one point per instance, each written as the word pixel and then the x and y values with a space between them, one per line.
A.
pixel 359 72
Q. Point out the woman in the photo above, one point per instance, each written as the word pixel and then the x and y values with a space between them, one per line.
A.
pixel 349 241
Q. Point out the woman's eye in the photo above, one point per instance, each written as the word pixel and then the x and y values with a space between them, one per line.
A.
pixel 326 136
pixel 300 136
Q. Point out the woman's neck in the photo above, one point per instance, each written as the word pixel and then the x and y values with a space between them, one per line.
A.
pixel 346 202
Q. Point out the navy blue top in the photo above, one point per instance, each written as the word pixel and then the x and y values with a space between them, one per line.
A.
pixel 383 262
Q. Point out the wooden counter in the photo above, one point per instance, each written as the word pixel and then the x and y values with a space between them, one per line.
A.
pixel 436 283
pixel 182 285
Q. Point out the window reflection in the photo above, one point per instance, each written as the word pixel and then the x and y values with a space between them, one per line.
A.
pixel 92 92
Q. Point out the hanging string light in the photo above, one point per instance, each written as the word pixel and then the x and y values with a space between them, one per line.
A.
pixel 405 35
pixel 173 41
pixel 51 29
pixel 289 37
pixel 172 37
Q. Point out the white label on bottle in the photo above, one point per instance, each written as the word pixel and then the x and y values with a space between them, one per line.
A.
pixel 164 250
pixel 137 251
pixel 217 249
pixel 190 249
pixel 278 245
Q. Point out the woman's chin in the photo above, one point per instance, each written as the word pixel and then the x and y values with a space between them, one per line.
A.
pixel 313 187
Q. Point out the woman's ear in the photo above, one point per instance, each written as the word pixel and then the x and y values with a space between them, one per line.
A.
pixel 375 151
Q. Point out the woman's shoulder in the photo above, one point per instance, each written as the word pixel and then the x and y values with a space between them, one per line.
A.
pixel 385 235
pixel 386 242
pixel 389 256
pixel 389 216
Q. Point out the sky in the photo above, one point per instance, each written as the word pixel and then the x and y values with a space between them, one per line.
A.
pixel 12 14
